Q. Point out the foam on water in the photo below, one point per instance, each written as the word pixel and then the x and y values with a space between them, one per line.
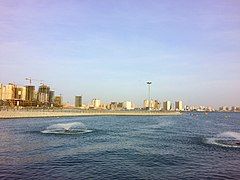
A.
pixel 66 128
pixel 226 139
pixel 234 135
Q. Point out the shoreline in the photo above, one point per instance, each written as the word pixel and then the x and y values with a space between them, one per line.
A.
pixel 19 114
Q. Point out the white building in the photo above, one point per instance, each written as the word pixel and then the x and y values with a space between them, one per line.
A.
pixel 167 106
pixel 128 105
pixel 179 106
pixel 154 104
pixel 96 103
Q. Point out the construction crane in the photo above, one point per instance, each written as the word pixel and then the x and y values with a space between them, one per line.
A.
pixel 30 80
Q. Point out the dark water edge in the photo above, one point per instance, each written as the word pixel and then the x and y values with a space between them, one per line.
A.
pixel 191 146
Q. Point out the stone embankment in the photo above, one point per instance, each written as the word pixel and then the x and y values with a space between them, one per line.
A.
pixel 10 114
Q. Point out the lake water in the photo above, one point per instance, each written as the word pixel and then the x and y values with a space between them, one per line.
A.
pixel 191 146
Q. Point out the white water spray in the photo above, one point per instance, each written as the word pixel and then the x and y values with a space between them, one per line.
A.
pixel 66 128
pixel 226 139
pixel 230 134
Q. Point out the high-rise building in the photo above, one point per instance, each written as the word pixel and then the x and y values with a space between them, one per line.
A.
pixel 1 89
pixel 96 103
pixel 154 104
pixel 43 94
pixel 51 96
pixel 58 101
pixel 30 93
pixel 21 93
pixel 167 106
pixel 78 101
pixel 9 92
pixel 178 106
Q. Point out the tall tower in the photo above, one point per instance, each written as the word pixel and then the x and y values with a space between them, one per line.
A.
pixel 30 93
pixel 78 101
pixel 178 106
pixel 43 94
pixel 51 96
pixel 149 94
pixel 167 106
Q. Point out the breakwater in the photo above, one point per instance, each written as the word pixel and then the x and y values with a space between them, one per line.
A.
pixel 8 114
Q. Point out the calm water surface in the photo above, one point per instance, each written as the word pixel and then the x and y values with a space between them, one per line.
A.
pixel 191 146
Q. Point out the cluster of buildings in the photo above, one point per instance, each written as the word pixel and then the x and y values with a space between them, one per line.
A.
pixel 12 95
pixel 128 105
pixel 97 104
pixel 229 109
pixel 210 109
pixel 166 105
pixel 199 108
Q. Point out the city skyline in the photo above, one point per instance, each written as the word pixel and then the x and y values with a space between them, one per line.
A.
pixel 108 50
pixel 15 95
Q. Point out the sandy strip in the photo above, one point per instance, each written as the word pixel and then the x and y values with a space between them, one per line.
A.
pixel 31 114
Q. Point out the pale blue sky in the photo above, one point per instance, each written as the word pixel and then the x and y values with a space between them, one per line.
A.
pixel 108 49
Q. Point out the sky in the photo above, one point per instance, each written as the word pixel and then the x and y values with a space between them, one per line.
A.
pixel 108 49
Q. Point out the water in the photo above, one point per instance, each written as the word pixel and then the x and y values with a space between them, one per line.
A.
pixel 67 128
pixel 191 146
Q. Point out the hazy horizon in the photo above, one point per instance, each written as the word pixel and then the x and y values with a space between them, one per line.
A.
pixel 108 49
